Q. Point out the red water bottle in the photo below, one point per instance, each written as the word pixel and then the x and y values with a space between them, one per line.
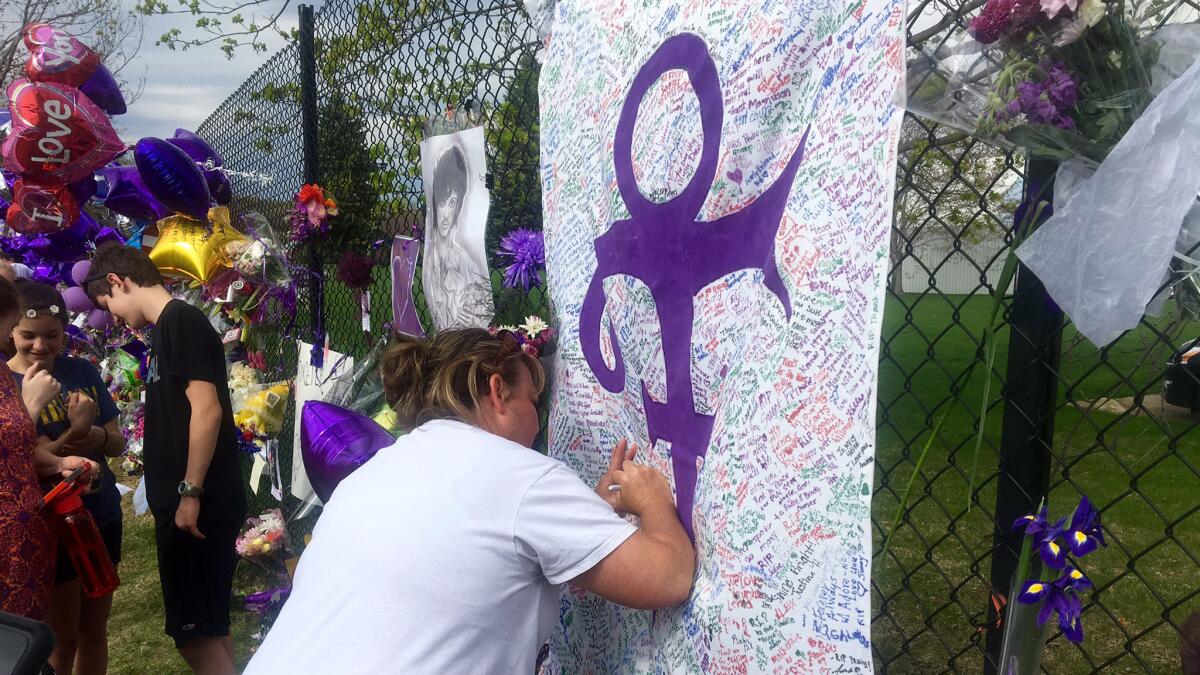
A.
pixel 77 531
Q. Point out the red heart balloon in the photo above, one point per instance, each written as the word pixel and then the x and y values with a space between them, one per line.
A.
pixel 58 134
pixel 41 209
pixel 57 56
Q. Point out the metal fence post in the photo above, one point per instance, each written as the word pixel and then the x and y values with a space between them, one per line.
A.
pixel 312 163
pixel 1030 397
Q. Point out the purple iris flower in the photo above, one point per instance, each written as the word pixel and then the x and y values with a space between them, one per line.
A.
pixel 1058 597
pixel 1045 538
pixel 1085 534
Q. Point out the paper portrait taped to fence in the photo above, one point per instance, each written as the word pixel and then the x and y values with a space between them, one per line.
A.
pixel 454 276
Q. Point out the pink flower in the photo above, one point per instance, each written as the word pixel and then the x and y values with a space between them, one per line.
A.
pixel 1052 8
pixel 1001 18
pixel 316 213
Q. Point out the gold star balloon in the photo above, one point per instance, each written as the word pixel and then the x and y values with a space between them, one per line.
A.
pixel 187 248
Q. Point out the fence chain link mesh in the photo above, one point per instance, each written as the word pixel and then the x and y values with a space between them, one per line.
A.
pixel 386 71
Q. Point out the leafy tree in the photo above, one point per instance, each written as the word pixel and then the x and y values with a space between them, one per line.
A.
pixel 104 25
pixel 349 171
pixel 951 190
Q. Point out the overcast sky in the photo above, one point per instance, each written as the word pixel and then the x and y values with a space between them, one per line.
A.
pixel 183 87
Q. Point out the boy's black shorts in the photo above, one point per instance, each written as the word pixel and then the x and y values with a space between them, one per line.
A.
pixel 197 578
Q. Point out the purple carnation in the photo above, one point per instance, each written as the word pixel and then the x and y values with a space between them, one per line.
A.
pixel 527 249
pixel 354 270
pixel 1003 17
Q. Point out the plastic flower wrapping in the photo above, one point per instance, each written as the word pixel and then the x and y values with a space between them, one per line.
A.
pixel 1086 83
pixel 258 291
pixel 265 535
pixel 264 583
pixel 1063 78
pixel 362 392
pixel 259 408
pixel 123 370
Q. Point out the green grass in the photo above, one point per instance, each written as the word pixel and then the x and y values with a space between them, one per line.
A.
pixel 1132 467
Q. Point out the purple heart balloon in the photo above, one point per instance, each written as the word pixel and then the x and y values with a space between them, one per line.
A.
pixel 197 148
pixel 172 177
pixel 104 91
pixel 128 195
pixel 334 442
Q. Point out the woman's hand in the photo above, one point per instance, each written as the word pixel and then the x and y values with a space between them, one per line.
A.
pixel 38 388
pixel 621 453
pixel 643 488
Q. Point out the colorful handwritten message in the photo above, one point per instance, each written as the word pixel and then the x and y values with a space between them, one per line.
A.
pixel 718 190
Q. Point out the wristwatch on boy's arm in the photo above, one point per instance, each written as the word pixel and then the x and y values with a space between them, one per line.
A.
pixel 187 489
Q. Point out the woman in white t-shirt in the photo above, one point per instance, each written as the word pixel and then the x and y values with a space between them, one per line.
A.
pixel 447 552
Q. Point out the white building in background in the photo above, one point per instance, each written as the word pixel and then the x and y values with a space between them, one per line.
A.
pixel 972 268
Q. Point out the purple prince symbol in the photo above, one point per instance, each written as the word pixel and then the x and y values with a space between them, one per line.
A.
pixel 676 257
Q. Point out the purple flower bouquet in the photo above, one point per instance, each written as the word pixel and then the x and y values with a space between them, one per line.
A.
pixel 1062 78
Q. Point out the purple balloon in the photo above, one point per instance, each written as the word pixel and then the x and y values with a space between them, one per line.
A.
pixel 99 319
pixel 219 187
pixel 83 190
pixel 197 148
pixel 79 271
pixel 104 91
pixel 69 245
pixel 128 195
pixel 107 234
pixel 77 300
pixel 334 442
pixel 172 177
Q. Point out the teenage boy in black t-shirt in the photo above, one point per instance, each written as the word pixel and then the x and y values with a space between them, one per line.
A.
pixel 193 470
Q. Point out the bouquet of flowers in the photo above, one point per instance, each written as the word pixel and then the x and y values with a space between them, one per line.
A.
pixel 1082 82
pixel 310 218
pixel 258 408
pixel 1062 78
pixel 535 336
pixel 1050 584
pixel 133 426
pixel 259 288
pixel 264 543
pixel 265 536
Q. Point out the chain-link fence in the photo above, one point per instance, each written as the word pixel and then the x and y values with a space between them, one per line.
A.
pixel 1063 418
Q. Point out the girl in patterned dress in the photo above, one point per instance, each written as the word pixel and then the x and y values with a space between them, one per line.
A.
pixel 27 545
